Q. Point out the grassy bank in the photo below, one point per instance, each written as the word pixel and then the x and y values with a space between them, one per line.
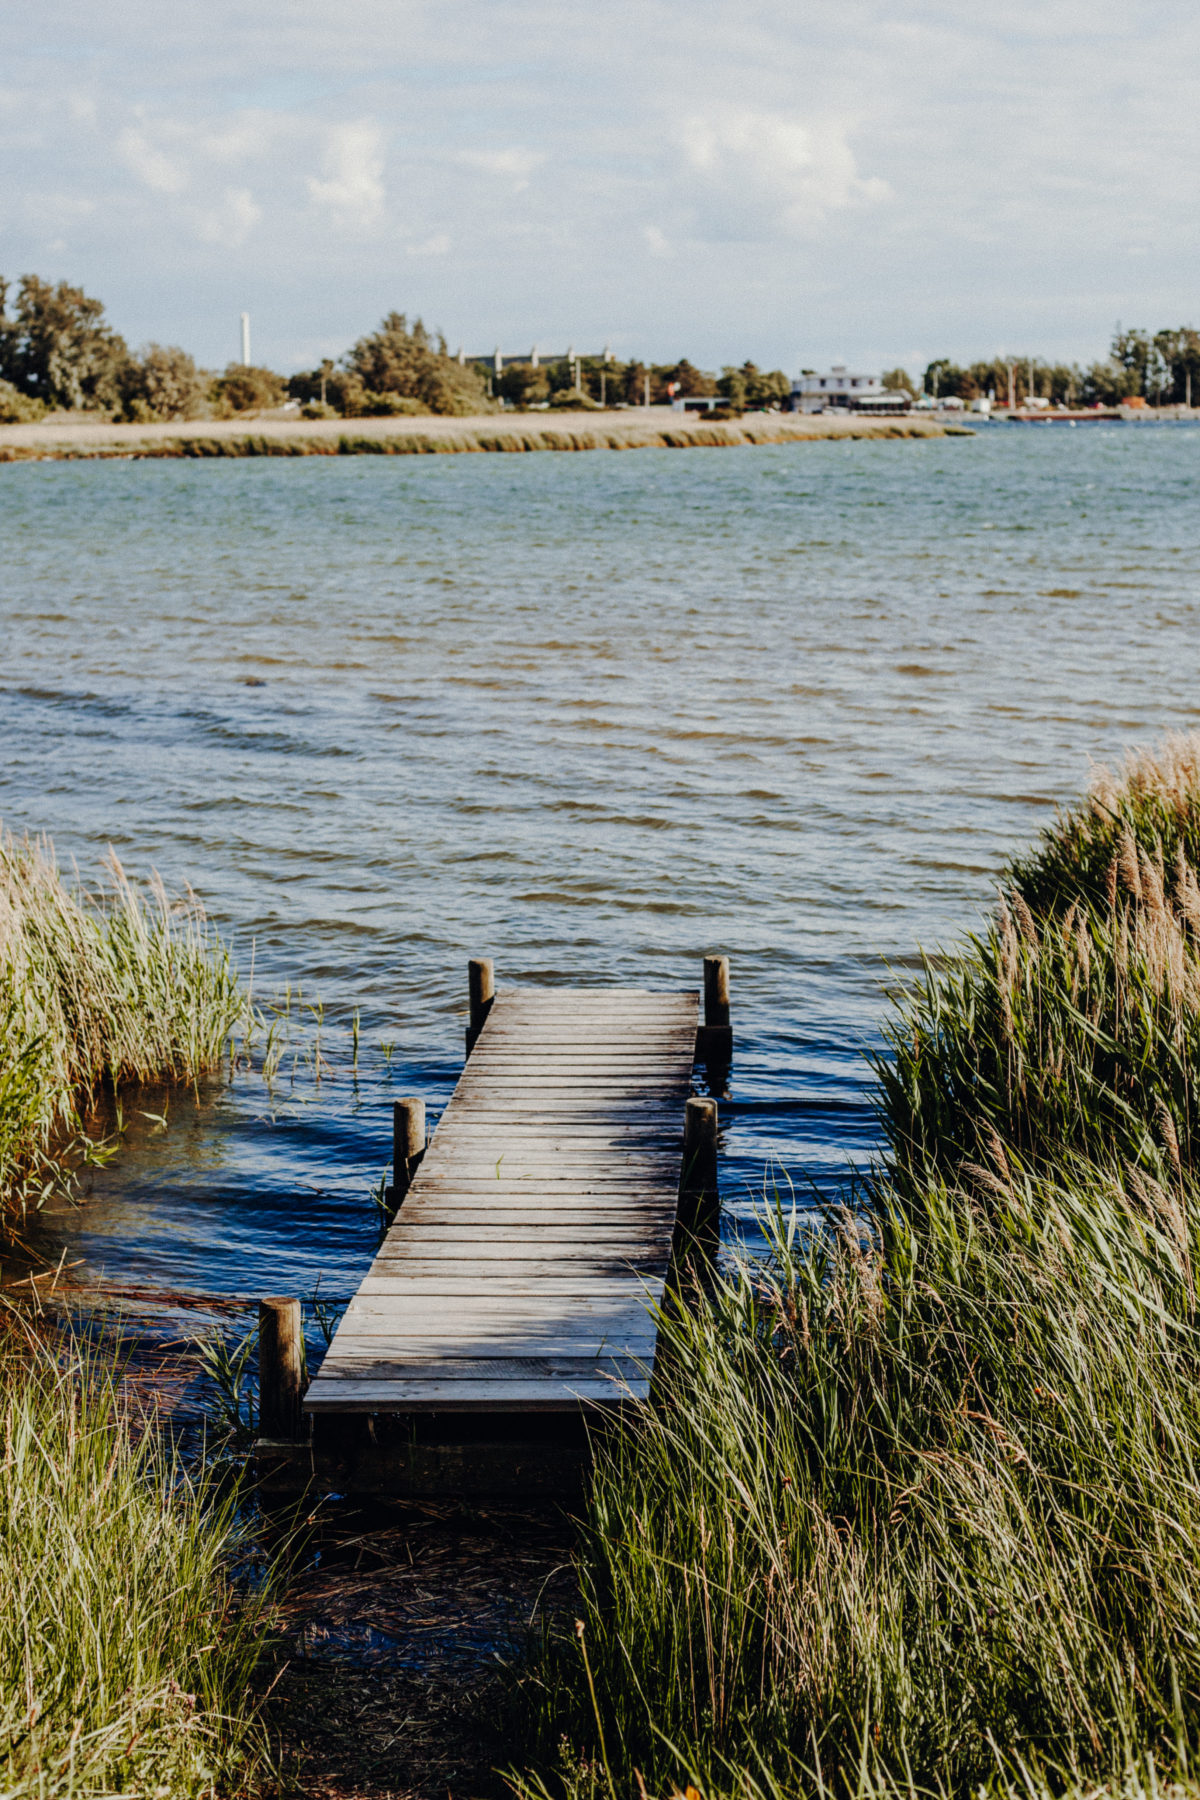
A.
pixel 95 990
pixel 918 1505
pixel 125 1654
pixel 440 437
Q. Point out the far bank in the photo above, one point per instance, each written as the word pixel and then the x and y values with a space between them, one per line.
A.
pixel 642 428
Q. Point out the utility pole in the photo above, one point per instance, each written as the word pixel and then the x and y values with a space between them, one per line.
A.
pixel 245 340
pixel 646 390
pixel 1012 387
pixel 602 384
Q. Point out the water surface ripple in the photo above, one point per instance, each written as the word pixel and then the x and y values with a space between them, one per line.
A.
pixel 592 714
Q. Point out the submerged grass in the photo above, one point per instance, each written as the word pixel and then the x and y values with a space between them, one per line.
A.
pixel 916 1506
pixel 125 1651
pixel 95 990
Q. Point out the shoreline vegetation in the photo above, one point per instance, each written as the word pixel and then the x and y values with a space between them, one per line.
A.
pixel 916 1509
pixel 640 428
pixel 98 990
pixel 129 1635
pixel 57 350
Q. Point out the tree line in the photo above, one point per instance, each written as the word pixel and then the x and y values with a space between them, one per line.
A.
pixel 58 352
pixel 1160 367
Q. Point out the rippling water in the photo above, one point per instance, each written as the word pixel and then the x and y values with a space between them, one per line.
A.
pixel 594 715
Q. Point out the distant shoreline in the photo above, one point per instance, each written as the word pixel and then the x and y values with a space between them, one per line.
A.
pixel 641 428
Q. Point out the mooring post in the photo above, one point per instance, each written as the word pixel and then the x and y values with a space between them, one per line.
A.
pixel 714 1040
pixel 699 1196
pixel 280 1369
pixel 481 982
pixel 408 1145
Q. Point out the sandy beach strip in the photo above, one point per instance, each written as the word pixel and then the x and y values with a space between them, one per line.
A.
pixel 639 428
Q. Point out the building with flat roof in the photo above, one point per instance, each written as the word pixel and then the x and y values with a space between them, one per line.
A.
pixel 839 388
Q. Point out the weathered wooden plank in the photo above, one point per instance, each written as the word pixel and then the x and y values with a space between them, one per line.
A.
pixel 485 1368
pixel 524 1265
pixel 484 1397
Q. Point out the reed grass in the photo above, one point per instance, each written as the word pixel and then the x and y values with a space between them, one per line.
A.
pixel 916 1504
pixel 96 989
pixel 489 437
pixel 126 1653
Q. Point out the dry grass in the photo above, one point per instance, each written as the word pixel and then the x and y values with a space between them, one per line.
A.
pixel 435 437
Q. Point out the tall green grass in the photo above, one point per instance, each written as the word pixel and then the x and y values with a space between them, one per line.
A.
pixel 95 990
pixel 917 1503
pixel 125 1652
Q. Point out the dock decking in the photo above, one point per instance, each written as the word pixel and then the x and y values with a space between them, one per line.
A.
pixel 537 1230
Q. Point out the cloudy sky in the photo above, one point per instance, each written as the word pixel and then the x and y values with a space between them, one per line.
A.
pixel 792 180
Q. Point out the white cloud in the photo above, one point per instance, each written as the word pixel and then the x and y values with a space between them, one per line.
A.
pixel 231 221
pixel 438 245
pixel 514 164
pixel 353 163
pixel 149 164
pixel 774 180
pixel 792 169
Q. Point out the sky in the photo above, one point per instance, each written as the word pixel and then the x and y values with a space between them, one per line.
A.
pixel 795 181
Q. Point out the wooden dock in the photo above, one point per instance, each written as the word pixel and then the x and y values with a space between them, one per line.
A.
pixel 535 1235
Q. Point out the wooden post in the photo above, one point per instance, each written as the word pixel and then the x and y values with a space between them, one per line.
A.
pixel 280 1369
pixel 714 1040
pixel 699 1197
pixel 481 981
pixel 408 1144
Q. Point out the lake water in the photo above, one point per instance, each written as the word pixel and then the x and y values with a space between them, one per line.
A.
pixel 593 715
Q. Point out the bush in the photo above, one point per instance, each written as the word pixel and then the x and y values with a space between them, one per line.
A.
pixel 125 1655
pixel 245 388
pixel 162 382
pixel 574 400
pixel 17 408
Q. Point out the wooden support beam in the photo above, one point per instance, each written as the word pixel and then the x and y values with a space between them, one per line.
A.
pixel 699 1195
pixel 714 1040
pixel 408 1145
pixel 280 1369
pixel 481 982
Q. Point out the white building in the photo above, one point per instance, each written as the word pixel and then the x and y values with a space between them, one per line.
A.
pixel 839 388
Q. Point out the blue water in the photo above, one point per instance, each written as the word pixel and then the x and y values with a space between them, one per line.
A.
pixel 594 715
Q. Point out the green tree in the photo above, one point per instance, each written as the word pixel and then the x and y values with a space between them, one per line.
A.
pixel 17 408
pixel 898 381
pixel 1137 353
pixel 732 386
pixel 683 377
pixel 162 382
pixel 413 365
pixel 58 348
pixel 247 388
pixel 1178 353
pixel 523 385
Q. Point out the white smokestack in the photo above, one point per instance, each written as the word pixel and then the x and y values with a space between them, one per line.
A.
pixel 246 340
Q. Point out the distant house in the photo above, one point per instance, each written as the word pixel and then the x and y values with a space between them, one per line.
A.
pixel 839 388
